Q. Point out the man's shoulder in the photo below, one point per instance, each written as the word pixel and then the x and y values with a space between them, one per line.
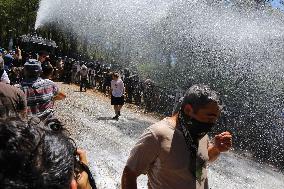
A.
pixel 37 84
pixel 11 91
pixel 45 82
pixel 162 128
pixel 48 81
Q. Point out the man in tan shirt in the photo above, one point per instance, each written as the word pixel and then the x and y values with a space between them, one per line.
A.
pixel 175 151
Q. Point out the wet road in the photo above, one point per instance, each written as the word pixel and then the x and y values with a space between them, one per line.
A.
pixel 108 143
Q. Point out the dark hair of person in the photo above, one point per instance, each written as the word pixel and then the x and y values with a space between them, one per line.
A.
pixel 30 74
pixel 43 53
pixel 115 75
pixel 32 69
pixel 198 96
pixel 47 70
pixel 32 157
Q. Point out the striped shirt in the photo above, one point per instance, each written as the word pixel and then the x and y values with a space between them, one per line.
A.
pixel 40 94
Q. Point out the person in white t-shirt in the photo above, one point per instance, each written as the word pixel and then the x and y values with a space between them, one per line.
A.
pixel 117 94
pixel 83 74
pixel 4 78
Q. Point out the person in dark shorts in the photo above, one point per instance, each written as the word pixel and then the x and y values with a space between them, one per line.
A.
pixel 83 78
pixel 117 94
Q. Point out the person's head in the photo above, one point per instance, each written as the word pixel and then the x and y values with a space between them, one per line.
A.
pixel 199 110
pixel 33 157
pixel 32 69
pixel 47 70
pixel 115 76
pixel 84 67
pixel 42 56
pixel 8 59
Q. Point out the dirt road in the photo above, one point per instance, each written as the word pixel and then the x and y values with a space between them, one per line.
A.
pixel 108 143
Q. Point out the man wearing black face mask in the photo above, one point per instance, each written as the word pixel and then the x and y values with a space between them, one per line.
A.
pixel 175 151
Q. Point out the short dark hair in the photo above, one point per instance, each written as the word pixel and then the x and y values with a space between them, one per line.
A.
pixel 32 157
pixel 115 74
pixel 47 69
pixel 43 53
pixel 32 68
pixel 198 96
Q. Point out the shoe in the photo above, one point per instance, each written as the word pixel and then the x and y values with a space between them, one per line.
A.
pixel 118 113
pixel 115 117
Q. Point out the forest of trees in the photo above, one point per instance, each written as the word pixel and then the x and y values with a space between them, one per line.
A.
pixel 17 17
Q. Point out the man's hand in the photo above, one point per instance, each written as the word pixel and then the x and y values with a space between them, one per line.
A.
pixel 60 96
pixel 82 156
pixel 223 141
pixel 82 178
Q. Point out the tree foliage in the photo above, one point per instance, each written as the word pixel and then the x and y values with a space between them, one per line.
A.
pixel 17 17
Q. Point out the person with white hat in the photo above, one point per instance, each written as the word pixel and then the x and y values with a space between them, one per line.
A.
pixel 40 93
pixel 83 77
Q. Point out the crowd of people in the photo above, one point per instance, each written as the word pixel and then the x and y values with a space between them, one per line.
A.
pixel 94 74
pixel 35 152
pixel 98 75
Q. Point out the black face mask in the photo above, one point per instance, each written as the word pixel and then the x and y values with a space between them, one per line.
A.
pixel 198 129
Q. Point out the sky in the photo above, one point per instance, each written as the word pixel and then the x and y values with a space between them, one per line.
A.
pixel 278 4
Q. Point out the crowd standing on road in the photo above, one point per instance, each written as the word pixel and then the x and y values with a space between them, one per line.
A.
pixel 173 152
pixel 35 152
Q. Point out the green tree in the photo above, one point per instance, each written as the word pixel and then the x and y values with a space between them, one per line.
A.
pixel 17 17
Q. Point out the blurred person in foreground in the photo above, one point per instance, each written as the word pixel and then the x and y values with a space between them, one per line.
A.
pixel 12 102
pixel 33 157
pixel 40 93
pixel 174 152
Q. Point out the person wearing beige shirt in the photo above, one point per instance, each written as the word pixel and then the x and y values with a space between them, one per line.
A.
pixel 174 152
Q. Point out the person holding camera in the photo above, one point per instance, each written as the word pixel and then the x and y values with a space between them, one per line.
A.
pixel 34 156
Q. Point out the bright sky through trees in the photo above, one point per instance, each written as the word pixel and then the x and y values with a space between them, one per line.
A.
pixel 278 4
